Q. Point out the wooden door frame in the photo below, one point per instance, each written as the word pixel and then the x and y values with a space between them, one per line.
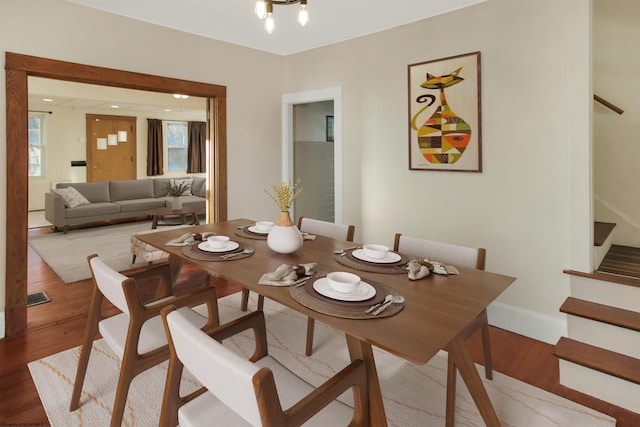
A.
pixel 132 147
pixel 18 68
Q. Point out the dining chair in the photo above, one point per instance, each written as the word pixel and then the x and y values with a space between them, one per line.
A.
pixel 136 335
pixel 240 392
pixel 456 255
pixel 322 228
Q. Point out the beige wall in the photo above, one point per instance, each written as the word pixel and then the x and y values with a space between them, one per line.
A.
pixel 616 68
pixel 530 205
pixel 519 207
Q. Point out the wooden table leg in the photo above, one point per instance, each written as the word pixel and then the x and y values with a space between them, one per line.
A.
pixel 464 364
pixel 361 350
pixel 154 222
pixel 196 220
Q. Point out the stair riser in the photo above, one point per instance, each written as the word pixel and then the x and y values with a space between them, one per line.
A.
pixel 607 293
pixel 602 386
pixel 603 335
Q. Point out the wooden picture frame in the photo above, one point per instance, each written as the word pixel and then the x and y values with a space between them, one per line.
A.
pixel 329 129
pixel 444 114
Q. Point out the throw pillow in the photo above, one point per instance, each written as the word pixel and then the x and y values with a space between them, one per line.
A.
pixel 71 197
pixel 187 181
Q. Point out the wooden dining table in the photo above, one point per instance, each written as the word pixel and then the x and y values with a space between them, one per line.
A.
pixel 436 310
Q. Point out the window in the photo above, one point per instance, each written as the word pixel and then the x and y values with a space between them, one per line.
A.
pixel 177 137
pixel 36 144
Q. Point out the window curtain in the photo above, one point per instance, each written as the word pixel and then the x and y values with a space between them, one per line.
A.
pixel 155 159
pixel 196 148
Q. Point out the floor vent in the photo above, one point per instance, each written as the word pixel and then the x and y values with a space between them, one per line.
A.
pixel 37 298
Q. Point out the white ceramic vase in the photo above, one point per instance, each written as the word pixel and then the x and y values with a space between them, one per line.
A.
pixel 284 237
pixel 176 203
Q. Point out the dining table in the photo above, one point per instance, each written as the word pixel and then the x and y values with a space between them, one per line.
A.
pixel 435 312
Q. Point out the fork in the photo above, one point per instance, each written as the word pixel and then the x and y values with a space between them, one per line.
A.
pixel 247 250
pixel 303 280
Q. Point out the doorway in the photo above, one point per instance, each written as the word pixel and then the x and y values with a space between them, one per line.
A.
pixel 111 147
pixel 18 69
pixel 314 159
pixel 289 101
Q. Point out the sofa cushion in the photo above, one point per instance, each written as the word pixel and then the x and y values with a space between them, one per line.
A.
pixel 95 192
pixel 199 187
pixel 160 187
pixel 131 189
pixel 71 197
pixel 93 209
pixel 140 204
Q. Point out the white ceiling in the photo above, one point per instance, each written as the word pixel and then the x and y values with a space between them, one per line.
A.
pixel 233 21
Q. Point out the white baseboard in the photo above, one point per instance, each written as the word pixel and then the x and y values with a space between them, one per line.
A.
pixel 2 331
pixel 526 322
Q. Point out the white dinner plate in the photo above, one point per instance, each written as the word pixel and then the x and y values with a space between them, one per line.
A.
pixel 256 230
pixel 229 247
pixel 390 258
pixel 363 292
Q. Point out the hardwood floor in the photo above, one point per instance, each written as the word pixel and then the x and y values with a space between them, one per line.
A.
pixel 621 260
pixel 59 325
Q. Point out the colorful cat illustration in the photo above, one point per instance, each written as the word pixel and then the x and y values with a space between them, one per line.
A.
pixel 444 136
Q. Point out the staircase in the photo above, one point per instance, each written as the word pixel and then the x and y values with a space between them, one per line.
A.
pixel 601 354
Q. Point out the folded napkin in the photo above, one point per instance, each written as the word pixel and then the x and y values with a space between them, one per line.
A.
pixel 184 240
pixel 286 275
pixel 189 238
pixel 307 236
pixel 417 270
pixel 441 268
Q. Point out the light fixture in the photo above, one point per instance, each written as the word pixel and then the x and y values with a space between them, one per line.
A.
pixel 264 10
pixel 180 96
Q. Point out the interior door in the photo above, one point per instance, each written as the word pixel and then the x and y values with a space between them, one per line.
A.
pixel 111 147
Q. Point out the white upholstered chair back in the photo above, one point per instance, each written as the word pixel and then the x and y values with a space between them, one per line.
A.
pixel 327 229
pixel 109 282
pixel 225 374
pixel 443 252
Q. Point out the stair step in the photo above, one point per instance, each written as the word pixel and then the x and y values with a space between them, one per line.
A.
pixel 601 231
pixel 605 361
pixel 602 313
pixel 605 277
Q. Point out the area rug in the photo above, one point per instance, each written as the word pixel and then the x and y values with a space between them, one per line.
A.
pixel 66 254
pixel 413 395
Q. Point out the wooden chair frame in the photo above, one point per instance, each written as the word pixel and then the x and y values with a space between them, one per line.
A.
pixel 134 363
pixel 311 322
pixel 272 414
pixel 480 322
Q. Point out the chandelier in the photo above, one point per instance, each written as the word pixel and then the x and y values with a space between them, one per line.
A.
pixel 264 9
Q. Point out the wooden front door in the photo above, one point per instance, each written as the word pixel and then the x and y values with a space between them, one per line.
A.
pixel 111 147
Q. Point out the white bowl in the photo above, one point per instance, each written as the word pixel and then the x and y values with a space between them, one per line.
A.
pixel 218 242
pixel 343 282
pixel 375 251
pixel 264 225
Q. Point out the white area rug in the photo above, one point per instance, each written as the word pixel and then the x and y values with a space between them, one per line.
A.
pixel 413 395
pixel 67 253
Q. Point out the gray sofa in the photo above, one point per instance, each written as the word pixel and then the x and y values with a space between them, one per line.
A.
pixel 117 199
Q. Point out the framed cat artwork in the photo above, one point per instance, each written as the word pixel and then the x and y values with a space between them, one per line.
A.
pixel 444 114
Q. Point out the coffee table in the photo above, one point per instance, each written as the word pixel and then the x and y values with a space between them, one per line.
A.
pixel 160 214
